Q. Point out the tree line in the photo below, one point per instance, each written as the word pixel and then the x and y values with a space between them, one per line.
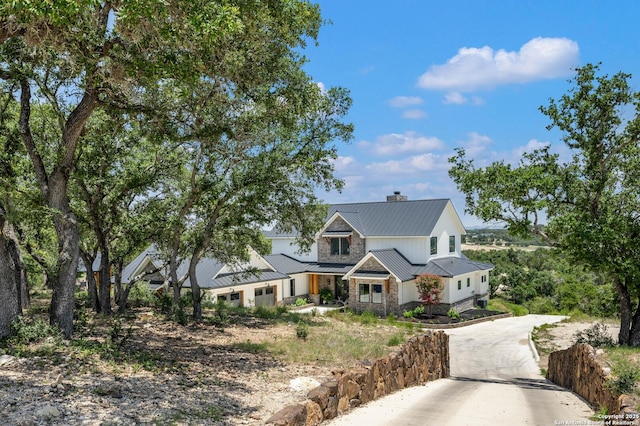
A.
pixel 547 282
pixel 187 124
pixel 586 205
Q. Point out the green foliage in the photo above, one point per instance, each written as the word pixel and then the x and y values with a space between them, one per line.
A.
pixel 417 311
pixel 301 301
pixel 368 318
pixel 326 295
pixel 590 202
pixel 118 334
pixel 395 340
pixel 596 335
pixel 452 313
pixel 140 295
pixel 546 282
pixel 302 330
pixel 625 379
pixel 28 330
pixel 251 347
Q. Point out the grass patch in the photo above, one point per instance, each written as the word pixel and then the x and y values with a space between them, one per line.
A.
pixel 251 347
pixel 502 305
pixel 625 368
pixel 341 340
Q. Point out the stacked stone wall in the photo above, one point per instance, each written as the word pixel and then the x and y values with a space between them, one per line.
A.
pixel 421 359
pixel 579 370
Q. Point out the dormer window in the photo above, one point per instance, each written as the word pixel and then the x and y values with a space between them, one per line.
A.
pixel 452 244
pixel 434 245
pixel 339 246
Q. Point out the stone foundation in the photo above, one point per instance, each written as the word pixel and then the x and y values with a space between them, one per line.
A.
pixel 578 369
pixel 421 359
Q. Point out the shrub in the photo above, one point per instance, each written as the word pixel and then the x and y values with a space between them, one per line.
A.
pixel 597 336
pixel 326 295
pixel 625 379
pixel 301 301
pixel 452 313
pixel 141 295
pixel 28 330
pixel 302 330
pixel 408 314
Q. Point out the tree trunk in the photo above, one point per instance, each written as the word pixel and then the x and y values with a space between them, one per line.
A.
pixel 195 287
pixel 18 261
pixel 104 290
pixel 92 289
pixel 625 311
pixel 634 334
pixel 62 299
pixel 9 296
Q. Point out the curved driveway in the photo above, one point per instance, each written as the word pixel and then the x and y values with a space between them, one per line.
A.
pixel 494 381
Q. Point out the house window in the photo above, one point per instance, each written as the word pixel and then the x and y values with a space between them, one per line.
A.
pixel 459 284
pixel 483 278
pixel 434 245
pixel 292 287
pixel 370 293
pixel 339 246
pixel 364 293
pixel 468 282
pixel 452 243
pixel 376 294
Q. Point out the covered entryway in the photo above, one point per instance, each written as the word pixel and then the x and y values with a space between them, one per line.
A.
pixel 265 296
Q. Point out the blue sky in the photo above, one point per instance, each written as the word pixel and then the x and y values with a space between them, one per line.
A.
pixel 429 76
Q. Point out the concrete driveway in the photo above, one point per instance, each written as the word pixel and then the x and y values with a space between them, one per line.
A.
pixel 495 380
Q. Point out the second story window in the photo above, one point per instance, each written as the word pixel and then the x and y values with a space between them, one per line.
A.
pixel 452 243
pixel 339 246
pixel 434 245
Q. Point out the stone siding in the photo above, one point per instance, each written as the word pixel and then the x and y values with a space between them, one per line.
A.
pixel 389 300
pixel 578 369
pixel 421 359
pixel 356 248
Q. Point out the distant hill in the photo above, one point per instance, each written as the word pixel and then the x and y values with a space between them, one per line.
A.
pixel 493 236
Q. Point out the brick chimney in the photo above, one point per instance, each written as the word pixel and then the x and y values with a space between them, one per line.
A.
pixel 396 197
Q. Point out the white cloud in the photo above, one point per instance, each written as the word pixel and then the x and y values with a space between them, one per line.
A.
pixel 410 166
pixel 414 114
pixel 476 144
pixel 395 143
pixel 342 164
pixel 322 87
pixel 405 101
pixel 454 98
pixel 531 146
pixel 472 68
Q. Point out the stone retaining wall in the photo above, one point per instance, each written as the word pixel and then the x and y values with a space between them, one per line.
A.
pixel 421 359
pixel 578 369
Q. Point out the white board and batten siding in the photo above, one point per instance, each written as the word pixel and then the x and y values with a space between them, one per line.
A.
pixel 288 246
pixel 448 224
pixel 413 248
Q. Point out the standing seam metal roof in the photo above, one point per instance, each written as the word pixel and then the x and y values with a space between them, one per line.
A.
pixel 397 218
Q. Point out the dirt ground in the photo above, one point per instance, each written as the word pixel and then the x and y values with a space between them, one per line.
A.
pixel 562 335
pixel 201 375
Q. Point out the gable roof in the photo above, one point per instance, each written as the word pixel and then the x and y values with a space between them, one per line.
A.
pixel 400 218
pixel 397 265
pixel 209 272
pixel 452 266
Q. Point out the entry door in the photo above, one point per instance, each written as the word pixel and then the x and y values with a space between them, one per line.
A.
pixel 265 296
